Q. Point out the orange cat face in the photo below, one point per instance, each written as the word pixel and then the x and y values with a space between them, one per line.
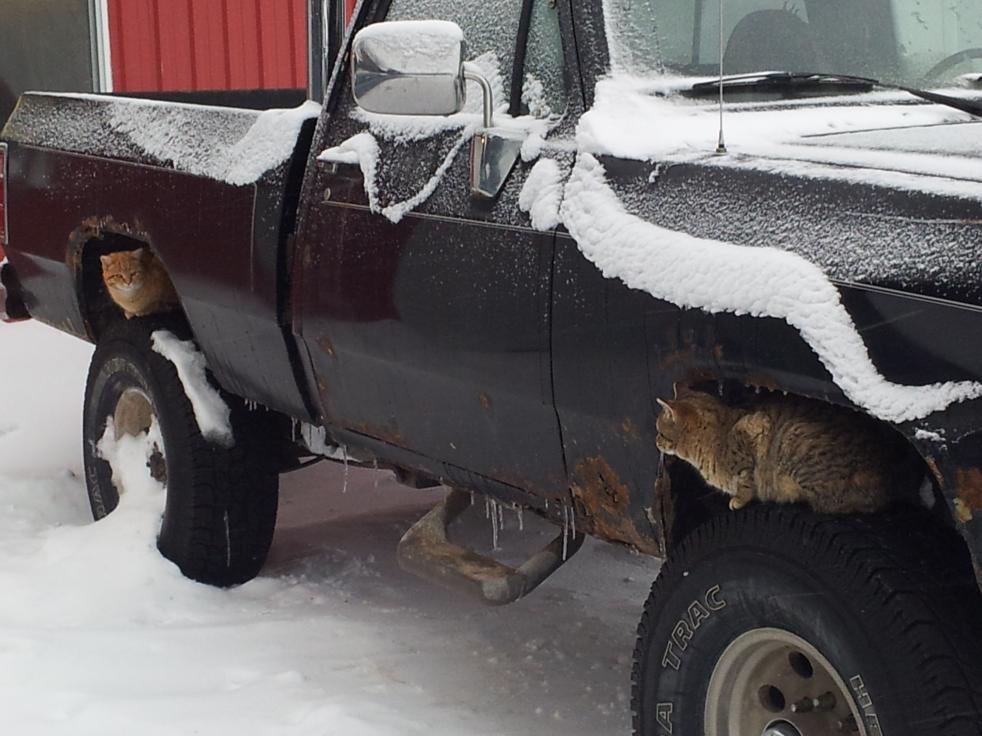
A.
pixel 125 270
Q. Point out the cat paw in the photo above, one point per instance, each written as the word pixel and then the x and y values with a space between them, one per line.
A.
pixel 738 503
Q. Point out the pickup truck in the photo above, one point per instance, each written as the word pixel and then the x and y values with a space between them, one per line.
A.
pixel 508 231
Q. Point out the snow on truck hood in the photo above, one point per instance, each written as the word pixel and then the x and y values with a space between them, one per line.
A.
pixel 883 138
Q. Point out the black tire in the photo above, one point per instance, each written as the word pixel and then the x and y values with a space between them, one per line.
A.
pixel 891 603
pixel 221 503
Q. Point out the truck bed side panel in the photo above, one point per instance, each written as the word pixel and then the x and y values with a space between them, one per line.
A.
pixel 222 242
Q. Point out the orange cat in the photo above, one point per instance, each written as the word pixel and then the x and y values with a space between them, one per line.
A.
pixel 137 282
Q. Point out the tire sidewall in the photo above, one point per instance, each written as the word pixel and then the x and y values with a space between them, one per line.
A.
pixel 115 368
pixel 125 359
pixel 220 503
pixel 707 604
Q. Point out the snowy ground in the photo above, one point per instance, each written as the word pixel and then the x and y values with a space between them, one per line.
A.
pixel 99 635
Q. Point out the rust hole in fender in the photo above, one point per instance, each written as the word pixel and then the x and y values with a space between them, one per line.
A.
pixel 968 491
pixel 605 502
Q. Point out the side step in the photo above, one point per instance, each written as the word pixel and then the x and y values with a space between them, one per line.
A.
pixel 426 551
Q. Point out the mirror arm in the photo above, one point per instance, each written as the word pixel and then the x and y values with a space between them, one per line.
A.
pixel 473 73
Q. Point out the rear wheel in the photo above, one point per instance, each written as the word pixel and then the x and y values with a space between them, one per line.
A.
pixel 221 502
pixel 776 622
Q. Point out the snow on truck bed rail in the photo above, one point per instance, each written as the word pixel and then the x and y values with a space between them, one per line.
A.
pixel 232 145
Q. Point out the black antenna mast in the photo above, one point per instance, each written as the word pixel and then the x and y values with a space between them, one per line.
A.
pixel 721 145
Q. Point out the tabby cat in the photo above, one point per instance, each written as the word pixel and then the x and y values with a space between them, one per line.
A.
pixel 788 450
pixel 137 282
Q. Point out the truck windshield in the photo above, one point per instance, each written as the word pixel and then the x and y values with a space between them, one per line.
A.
pixel 910 42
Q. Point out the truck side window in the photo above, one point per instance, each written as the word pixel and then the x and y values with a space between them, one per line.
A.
pixel 544 87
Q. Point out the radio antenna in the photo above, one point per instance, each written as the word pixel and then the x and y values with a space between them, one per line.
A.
pixel 721 145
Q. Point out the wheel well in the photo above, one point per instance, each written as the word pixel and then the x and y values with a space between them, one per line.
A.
pixel 689 501
pixel 98 309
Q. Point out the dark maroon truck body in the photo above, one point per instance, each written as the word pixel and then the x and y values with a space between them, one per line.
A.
pixel 463 345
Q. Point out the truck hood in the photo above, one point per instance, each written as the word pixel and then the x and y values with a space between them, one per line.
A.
pixel 935 157
pixel 944 140
pixel 876 189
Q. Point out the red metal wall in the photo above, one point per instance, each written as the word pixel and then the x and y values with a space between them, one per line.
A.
pixel 208 44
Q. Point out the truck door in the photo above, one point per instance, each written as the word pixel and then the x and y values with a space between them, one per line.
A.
pixel 427 320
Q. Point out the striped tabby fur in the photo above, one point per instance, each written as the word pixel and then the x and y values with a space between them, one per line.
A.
pixel 789 449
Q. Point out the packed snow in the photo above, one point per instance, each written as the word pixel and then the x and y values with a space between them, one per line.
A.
pixel 929 435
pixel 232 145
pixel 100 635
pixel 646 120
pixel 210 410
pixel 128 457
pixel 413 46
pixel 542 194
pixel 171 133
pixel 722 277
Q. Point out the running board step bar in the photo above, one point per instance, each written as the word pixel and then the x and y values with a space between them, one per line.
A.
pixel 426 551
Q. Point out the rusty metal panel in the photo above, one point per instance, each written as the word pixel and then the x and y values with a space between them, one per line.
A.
pixel 187 45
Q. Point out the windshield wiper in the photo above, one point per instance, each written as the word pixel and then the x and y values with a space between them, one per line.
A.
pixel 811 80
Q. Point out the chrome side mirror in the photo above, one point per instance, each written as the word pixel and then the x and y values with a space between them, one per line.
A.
pixel 411 67
pixel 417 67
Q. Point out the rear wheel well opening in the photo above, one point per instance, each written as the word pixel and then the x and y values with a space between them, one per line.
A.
pixel 97 307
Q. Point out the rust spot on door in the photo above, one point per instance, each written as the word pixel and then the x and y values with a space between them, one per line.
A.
pixel 326 345
pixel 485 401
pixel 604 501
pixel 968 490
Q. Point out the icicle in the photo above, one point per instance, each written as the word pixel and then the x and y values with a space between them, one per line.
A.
pixel 565 532
pixel 344 450
pixel 375 468
pixel 472 498
pixel 487 507
pixel 521 519
pixel 501 517
pixel 494 525
pixel 572 518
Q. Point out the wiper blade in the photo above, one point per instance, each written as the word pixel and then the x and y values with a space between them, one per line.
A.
pixel 812 80
pixel 783 80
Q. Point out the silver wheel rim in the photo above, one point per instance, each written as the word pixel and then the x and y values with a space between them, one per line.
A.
pixel 134 414
pixel 770 682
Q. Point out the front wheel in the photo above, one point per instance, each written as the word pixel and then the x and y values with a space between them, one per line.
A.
pixel 221 497
pixel 776 622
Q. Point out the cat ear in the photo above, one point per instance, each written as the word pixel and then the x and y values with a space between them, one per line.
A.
pixel 682 390
pixel 106 260
pixel 667 407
